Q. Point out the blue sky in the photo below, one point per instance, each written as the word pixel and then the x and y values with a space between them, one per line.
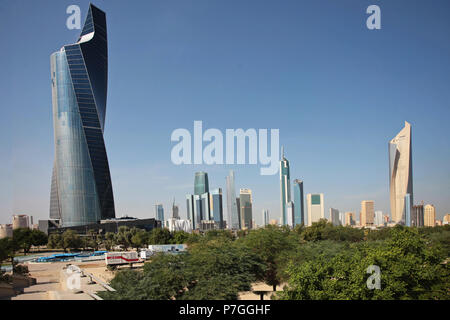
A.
pixel 337 91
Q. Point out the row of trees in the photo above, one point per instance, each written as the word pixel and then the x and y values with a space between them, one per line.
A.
pixel 317 262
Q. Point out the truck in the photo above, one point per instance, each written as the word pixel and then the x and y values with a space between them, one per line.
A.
pixel 118 258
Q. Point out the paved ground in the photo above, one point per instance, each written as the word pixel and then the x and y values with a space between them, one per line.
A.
pixel 48 286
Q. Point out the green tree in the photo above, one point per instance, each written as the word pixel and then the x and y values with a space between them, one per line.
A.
pixel 55 241
pixel 140 239
pixel 71 240
pixel 38 238
pixel 22 239
pixel 180 237
pixel 160 236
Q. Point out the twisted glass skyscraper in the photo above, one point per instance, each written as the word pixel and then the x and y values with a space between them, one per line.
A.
pixel 81 191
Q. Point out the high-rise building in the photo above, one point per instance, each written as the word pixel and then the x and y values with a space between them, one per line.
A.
pixel 81 191
pixel 175 213
pixel 196 221
pixel 245 199
pixel 400 173
pixel 20 221
pixel 334 217
pixel 315 206
pixel 378 221
pixel 290 211
pixel 367 213
pixel 407 208
pixel 417 216
pixel 349 219
pixel 206 207
pixel 285 186
pixel 190 208
pixel 429 215
pixel 217 207
pixel 238 203
pixel 299 206
pixel 233 221
pixel 159 212
pixel 265 217
pixel 201 184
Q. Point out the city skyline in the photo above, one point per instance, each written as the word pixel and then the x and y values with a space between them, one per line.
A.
pixel 159 79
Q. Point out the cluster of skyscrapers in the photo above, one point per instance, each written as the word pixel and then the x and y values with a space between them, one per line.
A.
pixel 81 188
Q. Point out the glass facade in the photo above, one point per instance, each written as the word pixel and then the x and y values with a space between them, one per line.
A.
pixel 201 184
pixel 245 200
pixel 81 191
pixel 217 207
pixel 299 208
pixel 159 212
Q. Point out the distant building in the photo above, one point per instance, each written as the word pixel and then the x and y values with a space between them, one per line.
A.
pixel 378 221
pixel 349 219
pixel 386 219
pixel 334 217
pixel 315 207
pixel 201 184
pixel 197 212
pixel 265 217
pixel 206 206
pixel 233 219
pixel 238 203
pixel 285 187
pixel 417 216
pixel 159 212
pixel 217 207
pixel 190 209
pixel 245 200
pixel 290 208
pixel 407 209
pixel 6 231
pixel 175 211
pixel 273 222
pixel 438 222
pixel 367 213
pixel 400 173
pixel 299 206
pixel 429 216
pixel 20 221
pixel 446 219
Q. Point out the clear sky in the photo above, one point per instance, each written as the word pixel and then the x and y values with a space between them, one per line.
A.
pixel 337 92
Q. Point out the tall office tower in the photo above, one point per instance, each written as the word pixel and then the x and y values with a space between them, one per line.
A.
pixel 407 208
pixel 429 216
pixel 201 184
pixel 290 212
pixel 417 217
pixel 217 207
pixel 315 206
pixel 265 217
pixel 400 173
pixel 190 209
pixel 81 191
pixel 341 218
pixel 233 221
pixel 285 186
pixel 196 221
pixel 245 200
pixel 238 203
pixel 367 213
pixel 206 206
pixel 349 219
pixel 378 221
pixel 299 207
pixel 159 212
pixel 334 216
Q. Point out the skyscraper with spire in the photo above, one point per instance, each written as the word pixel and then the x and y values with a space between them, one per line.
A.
pixel 285 187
